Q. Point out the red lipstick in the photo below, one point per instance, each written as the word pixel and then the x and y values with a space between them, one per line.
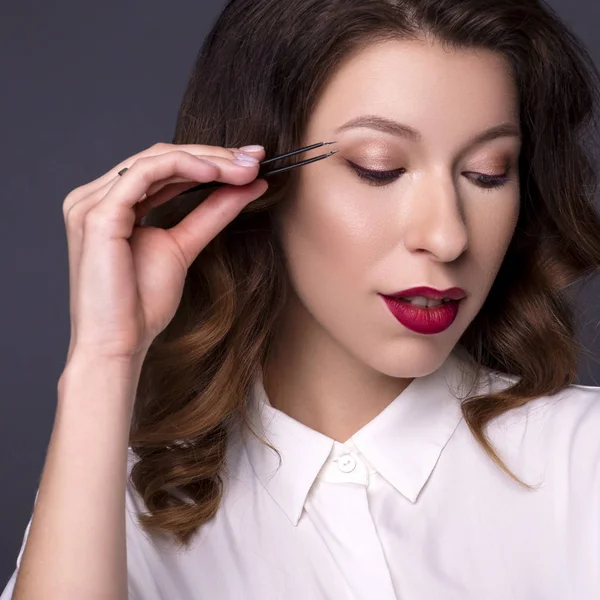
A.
pixel 409 309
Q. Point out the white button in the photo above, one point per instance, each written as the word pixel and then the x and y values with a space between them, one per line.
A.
pixel 346 463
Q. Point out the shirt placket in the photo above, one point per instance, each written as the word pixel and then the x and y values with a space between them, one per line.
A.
pixel 338 505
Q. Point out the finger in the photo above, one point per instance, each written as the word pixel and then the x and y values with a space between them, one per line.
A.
pixel 74 227
pixel 197 229
pixel 74 219
pixel 83 199
pixel 215 158
pixel 155 150
pixel 164 191
pixel 77 211
pixel 75 215
pixel 258 154
pixel 135 182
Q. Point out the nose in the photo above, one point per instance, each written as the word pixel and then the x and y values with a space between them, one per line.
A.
pixel 435 222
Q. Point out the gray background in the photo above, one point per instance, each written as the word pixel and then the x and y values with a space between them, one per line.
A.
pixel 86 85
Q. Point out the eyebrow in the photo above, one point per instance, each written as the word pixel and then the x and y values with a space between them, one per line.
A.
pixel 386 125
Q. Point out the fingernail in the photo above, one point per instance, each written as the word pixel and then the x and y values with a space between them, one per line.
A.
pixel 253 148
pixel 244 163
pixel 243 156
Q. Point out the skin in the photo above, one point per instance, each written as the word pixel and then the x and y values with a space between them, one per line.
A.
pixel 340 356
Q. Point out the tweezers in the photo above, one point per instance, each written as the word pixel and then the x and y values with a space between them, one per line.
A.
pixel 261 174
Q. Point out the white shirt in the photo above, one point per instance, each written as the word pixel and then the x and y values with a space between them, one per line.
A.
pixel 409 508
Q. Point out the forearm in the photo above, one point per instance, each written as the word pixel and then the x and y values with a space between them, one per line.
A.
pixel 76 545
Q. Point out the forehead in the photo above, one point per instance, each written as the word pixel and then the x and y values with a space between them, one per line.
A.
pixel 435 89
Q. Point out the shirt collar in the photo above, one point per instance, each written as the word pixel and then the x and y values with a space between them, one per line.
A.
pixel 403 442
pixel 303 452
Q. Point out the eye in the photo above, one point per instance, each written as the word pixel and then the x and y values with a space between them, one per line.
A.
pixel 381 178
pixel 489 182
pixel 376 178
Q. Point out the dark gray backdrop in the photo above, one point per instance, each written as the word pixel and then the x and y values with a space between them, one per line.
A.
pixel 84 86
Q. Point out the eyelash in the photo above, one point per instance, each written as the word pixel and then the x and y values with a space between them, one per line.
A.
pixel 382 178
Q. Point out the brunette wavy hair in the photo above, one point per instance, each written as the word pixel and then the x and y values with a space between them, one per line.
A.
pixel 256 79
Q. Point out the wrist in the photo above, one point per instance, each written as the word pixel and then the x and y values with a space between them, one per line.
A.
pixel 84 369
pixel 86 358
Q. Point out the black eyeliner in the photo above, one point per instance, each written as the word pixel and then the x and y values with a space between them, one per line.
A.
pixel 375 177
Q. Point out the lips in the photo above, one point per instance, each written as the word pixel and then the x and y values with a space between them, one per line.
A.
pixel 425 319
pixel 454 293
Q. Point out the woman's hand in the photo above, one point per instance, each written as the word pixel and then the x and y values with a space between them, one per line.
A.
pixel 126 281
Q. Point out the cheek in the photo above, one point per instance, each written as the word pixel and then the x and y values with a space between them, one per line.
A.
pixel 491 232
pixel 328 230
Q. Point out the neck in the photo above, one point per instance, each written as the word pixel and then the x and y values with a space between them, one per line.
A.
pixel 310 377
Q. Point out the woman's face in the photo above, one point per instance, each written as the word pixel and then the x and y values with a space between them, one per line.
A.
pixel 442 217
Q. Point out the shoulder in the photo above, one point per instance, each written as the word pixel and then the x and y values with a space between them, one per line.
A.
pixel 574 418
pixel 573 403
pixel 564 425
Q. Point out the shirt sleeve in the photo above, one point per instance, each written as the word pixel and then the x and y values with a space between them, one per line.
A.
pixel 10 586
pixel 584 493
pixel 140 579
pixel 7 594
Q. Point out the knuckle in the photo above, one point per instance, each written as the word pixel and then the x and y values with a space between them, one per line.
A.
pixel 72 215
pixel 160 146
pixel 66 208
pixel 91 219
pixel 178 161
pixel 135 164
pixel 142 168
pixel 96 220
pixel 70 200
pixel 180 156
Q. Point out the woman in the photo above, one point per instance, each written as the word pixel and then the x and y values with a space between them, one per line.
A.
pixel 300 414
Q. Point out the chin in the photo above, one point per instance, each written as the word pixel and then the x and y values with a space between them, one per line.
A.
pixel 411 356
